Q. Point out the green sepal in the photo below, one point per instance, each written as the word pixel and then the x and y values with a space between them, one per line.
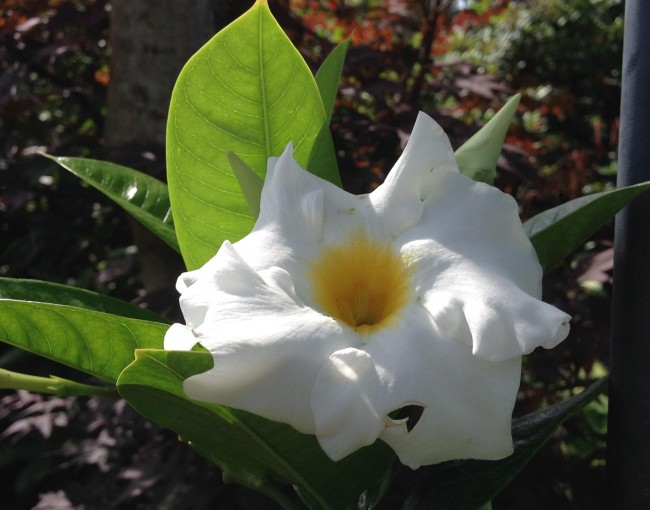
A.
pixel 477 157
pixel 250 183
pixel 328 76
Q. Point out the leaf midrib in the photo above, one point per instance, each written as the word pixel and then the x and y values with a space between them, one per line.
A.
pixel 265 116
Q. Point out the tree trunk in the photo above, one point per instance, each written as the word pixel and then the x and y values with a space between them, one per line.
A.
pixel 150 41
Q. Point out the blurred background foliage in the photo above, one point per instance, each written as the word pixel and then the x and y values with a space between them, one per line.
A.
pixel 456 60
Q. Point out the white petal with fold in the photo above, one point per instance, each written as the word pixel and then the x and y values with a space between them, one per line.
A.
pixel 343 402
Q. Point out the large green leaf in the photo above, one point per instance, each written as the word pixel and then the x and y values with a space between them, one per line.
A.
pixel 557 232
pixel 240 442
pixel 97 343
pixel 142 196
pixel 328 76
pixel 466 485
pixel 55 293
pixel 248 91
pixel 477 157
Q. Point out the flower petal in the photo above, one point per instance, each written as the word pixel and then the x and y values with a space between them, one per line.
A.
pixel 343 403
pixel 225 272
pixel 179 338
pixel 478 274
pixel 287 187
pixel 427 156
pixel 267 347
pixel 479 224
pixel 467 400
pixel 300 214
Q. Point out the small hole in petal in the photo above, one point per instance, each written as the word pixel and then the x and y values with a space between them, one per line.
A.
pixel 411 413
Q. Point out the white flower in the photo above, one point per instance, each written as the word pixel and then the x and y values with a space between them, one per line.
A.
pixel 337 309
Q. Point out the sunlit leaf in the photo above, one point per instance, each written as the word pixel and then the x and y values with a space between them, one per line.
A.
pixel 242 442
pixel 466 485
pixel 559 231
pixel 477 157
pixel 55 293
pixel 250 92
pixel 97 343
pixel 142 196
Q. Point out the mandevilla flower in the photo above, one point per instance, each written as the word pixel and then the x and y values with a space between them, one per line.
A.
pixel 338 310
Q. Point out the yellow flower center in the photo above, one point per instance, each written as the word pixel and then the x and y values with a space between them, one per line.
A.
pixel 362 283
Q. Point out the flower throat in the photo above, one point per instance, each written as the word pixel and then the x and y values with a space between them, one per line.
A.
pixel 362 283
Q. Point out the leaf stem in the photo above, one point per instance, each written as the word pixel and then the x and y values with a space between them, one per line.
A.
pixel 52 385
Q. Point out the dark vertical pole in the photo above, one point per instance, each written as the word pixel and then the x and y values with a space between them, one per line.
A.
pixel 629 418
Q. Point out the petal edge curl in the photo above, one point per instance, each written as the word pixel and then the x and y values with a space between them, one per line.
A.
pixel 342 402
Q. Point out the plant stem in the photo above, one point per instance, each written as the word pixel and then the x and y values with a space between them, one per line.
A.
pixel 52 385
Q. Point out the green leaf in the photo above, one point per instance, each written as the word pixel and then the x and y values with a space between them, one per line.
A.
pixel 466 485
pixel 248 91
pixel 250 183
pixel 477 157
pixel 55 293
pixel 97 343
pixel 328 76
pixel 323 156
pixel 557 232
pixel 139 194
pixel 374 494
pixel 241 442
